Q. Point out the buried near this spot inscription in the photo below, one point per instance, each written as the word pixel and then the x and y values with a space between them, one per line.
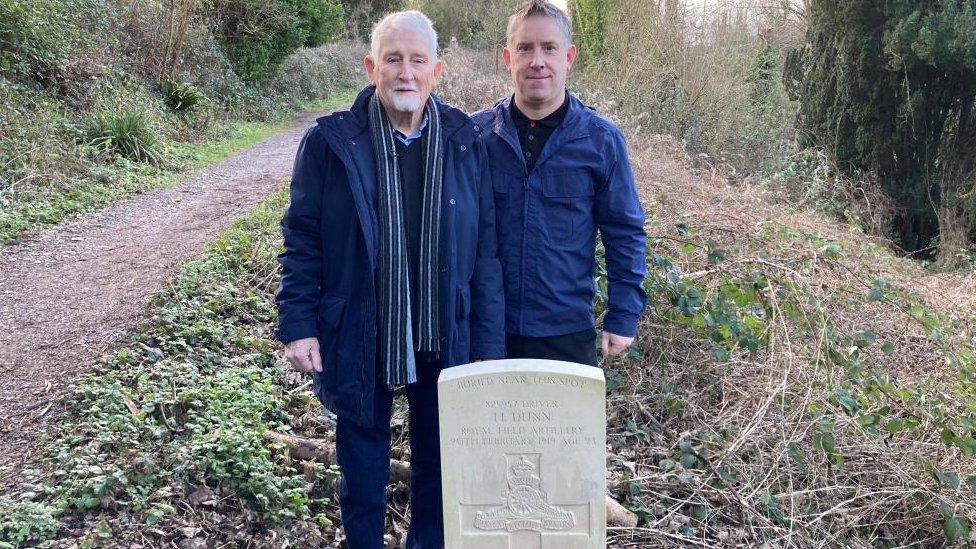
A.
pixel 523 455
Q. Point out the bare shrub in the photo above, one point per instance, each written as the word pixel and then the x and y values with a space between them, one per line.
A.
pixel 314 73
pixel 473 79
pixel 811 179
pixel 704 74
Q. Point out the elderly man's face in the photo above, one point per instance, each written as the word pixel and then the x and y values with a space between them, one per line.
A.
pixel 539 60
pixel 404 72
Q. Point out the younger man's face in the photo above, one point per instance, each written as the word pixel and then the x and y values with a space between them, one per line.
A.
pixel 539 59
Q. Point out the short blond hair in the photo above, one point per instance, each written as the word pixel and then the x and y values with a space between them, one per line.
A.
pixel 540 8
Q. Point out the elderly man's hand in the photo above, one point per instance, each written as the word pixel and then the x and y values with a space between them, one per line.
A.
pixel 614 344
pixel 304 354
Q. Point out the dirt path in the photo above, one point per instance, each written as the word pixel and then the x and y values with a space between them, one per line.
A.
pixel 68 294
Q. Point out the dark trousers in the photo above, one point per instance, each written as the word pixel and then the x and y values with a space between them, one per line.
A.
pixel 579 347
pixel 363 454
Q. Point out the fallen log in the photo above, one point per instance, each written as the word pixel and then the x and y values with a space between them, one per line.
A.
pixel 308 449
pixel 618 515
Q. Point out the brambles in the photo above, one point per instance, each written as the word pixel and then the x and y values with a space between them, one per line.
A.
pixel 787 369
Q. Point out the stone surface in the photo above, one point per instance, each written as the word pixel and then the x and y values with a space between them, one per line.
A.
pixel 523 455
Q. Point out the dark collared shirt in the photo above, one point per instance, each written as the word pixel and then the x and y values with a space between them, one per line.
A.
pixel 533 134
pixel 410 157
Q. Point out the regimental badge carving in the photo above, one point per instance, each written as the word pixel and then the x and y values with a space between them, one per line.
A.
pixel 526 505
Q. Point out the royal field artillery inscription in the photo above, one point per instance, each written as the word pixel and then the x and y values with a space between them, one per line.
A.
pixel 523 446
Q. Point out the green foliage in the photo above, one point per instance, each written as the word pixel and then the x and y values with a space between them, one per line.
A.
pixel 480 24
pixel 768 127
pixel 361 15
pixel 183 406
pixel 259 34
pixel 890 88
pixel 321 19
pixel 590 19
pixel 26 521
pixel 35 37
pixel 126 133
pixel 182 96
pixel 733 318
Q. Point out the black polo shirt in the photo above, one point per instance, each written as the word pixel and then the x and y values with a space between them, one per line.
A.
pixel 533 134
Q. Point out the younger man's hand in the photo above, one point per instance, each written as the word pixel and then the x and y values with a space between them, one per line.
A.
pixel 614 344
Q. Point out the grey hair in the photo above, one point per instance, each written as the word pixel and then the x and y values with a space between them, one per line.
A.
pixel 410 20
pixel 534 8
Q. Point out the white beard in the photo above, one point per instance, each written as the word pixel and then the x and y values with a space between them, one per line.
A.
pixel 406 102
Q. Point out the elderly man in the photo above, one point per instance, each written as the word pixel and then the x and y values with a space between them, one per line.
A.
pixel 560 172
pixel 390 271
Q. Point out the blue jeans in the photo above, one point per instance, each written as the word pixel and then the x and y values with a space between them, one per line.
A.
pixel 363 454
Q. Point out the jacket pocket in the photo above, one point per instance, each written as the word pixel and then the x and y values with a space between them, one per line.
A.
pixel 500 182
pixel 568 201
pixel 331 308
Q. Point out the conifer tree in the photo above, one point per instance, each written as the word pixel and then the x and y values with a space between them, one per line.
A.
pixel 889 86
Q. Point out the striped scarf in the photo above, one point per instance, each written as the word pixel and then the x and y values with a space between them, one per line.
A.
pixel 397 340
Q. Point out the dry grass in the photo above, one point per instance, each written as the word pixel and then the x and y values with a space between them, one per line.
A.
pixel 830 432
pixel 753 420
pixel 473 79
pixel 695 72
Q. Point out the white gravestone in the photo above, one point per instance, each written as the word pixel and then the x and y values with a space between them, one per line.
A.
pixel 523 455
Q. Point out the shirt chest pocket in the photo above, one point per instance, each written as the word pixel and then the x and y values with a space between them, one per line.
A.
pixel 505 211
pixel 568 203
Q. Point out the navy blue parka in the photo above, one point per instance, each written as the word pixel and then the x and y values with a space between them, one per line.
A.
pixel 548 219
pixel 328 282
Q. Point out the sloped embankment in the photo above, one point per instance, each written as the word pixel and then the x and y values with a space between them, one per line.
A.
pixel 793 383
pixel 69 293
